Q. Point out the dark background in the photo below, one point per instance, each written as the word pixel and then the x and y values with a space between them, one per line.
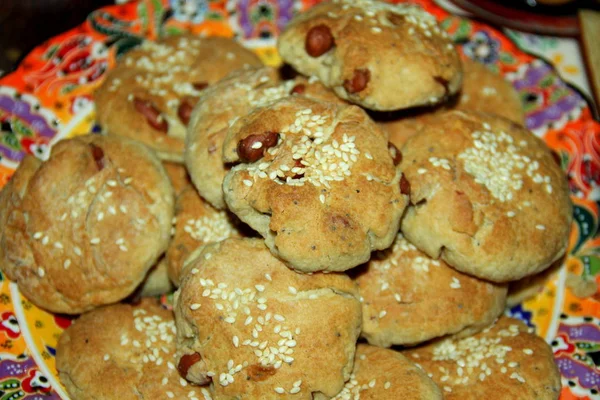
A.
pixel 26 23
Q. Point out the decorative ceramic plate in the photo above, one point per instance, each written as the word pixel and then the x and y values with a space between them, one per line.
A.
pixel 50 97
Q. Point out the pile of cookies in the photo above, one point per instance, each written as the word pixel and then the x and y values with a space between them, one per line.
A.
pixel 349 233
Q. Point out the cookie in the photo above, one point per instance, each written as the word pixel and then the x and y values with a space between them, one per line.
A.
pixel 502 362
pixel 530 286
pixel 486 91
pixel 157 280
pixel 486 196
pixel 178 176
pixel 196 223
pixel 378 55
pixel 398 306
pixel 150 94
pixel 222 104
pixel 381 374
pixel 83 228
pixel 317 180
pixel 482 91
pixel 259 330
pixel 122 352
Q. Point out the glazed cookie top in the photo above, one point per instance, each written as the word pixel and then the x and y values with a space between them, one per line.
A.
pixel 261 330
pixel 505 361
pixel 82 229
pixel 316 180
pixel 486 196
pixel 123 352
pixel 150 94
pixel 398 307
pixel 381 374
pixel 196 223
pixel 378 55
pixel 220 106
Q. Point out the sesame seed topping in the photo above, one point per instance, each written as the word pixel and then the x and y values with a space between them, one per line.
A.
pixel 194 306
pixel 540 227
pixel 95 240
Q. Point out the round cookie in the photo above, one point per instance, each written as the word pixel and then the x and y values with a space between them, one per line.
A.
pixel 196 223
pixel 262 331
pixel 122 352
pixel 378 55
pixel 382 374
pixel 488 92
pixel 83 228
pixel 218 107
pixel 222 104
pixel 399 308
pixel 316 180
pixel 150 94
pixel 482 91
pixel 503 362
pixel 486 196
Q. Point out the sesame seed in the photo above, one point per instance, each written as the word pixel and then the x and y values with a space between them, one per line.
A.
pixel 95 240
pixel 248 182
pixel 540 227
pixel 37 235
pixel 170 395
pixel 67 264
pixel 292 290
pixel 45 240
pixel 41 272
pixel 421 171
pixel 455 284
pixel 77 251
pixel 382 314
pixel 528 351
pixel 387 385
pixel 194 306
pixel 279 390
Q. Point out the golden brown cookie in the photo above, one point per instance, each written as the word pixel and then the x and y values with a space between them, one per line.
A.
pixel 196 223
pixel 486 91
pixel 375 54
pixel 316 180
pixel 504 361
pixel 382 374
pixel 123 352
pixel 83 228
pixel 157 280
pixel 224 103
pixel 486 196
pixel 178 176
pixel 482 91
pixel 409 298
pixel 150 94
pixel 259 330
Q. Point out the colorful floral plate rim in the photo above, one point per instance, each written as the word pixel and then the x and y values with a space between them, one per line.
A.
pixel 49 97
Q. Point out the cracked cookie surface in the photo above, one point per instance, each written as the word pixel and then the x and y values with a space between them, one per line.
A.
pixel 399 308
pixel 487 196
pixel 317 180
pixel 83 228
pixel 262 330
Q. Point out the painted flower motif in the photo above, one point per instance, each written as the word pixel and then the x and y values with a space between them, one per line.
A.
pixel 263 19
pixel 482 47
pixel 189 10
pixel 25 127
